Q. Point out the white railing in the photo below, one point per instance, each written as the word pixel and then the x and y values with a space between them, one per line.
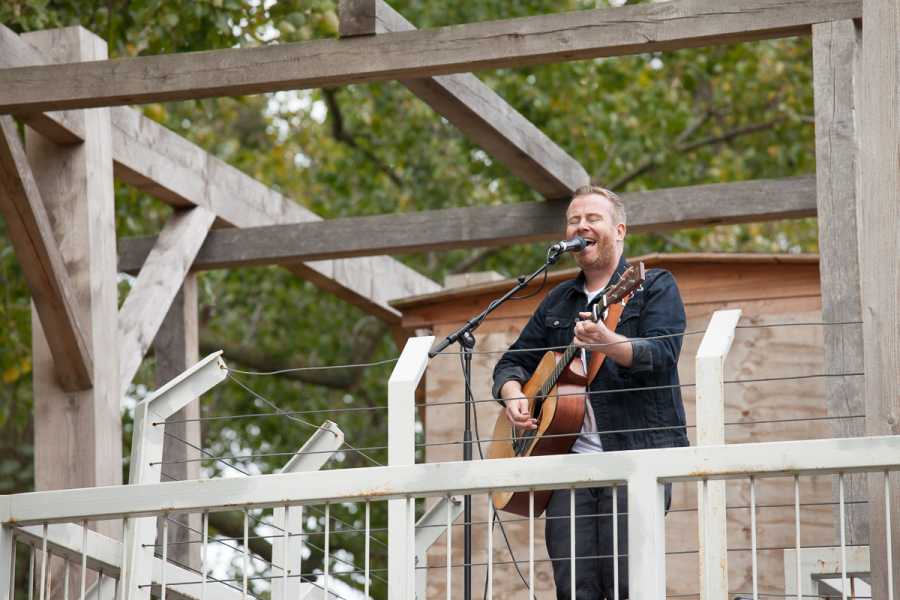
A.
pixel 643 471
pixel 53 520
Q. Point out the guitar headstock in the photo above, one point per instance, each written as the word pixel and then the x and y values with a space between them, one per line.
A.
pixel 631 279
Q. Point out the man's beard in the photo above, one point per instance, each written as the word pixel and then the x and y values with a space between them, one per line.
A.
pixel 604 255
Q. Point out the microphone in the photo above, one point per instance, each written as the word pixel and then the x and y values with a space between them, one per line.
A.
pixel 576 244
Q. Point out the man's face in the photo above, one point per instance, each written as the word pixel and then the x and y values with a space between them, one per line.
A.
pixel 591 217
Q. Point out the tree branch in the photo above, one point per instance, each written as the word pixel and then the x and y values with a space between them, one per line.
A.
pixel 367 333
pixel 652 163
pixel 340 133
pixel 475 258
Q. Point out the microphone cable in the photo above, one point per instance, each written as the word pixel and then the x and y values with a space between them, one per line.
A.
pixel 496 517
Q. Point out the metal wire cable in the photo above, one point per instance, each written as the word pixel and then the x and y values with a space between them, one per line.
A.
pixel 432 404
pixel 208 454
pixel 269 563
pixel 510 519
pixel 620 556
pixel 801 323
pixel 312 508
pixel 277 536
pixel 647 387
pixel 509 439
pixel 269 414
pixel 319 511
pixel 235 580
pixel 320 368
pixel 585 346
pixel 393 360
pixel 855 597
pixel 187 567
pixel 298 419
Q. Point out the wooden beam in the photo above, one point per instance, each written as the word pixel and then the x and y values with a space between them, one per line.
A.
pixel 836 56
pixel 78 435
pixel 178 172
pixel 566 36
pixel 176 348
pixel 480 226
pixel 476 110
pixel 42 263
pixel 61 127
pixel 158 282
pixel 879 248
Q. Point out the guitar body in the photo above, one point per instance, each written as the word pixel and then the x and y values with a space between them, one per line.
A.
pixel 556 393
pixel 558 414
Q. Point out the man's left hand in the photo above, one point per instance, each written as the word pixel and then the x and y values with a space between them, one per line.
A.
pixel 588 333
pixel 598 338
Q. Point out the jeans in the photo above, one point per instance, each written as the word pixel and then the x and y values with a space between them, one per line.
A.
pixel 593 542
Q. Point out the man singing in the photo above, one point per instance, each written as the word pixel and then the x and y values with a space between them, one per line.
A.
pixel 641 353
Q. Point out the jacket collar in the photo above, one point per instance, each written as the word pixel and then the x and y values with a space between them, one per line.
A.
pixel 580 280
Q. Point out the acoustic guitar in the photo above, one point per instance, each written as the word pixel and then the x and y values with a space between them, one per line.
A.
pixel 556 396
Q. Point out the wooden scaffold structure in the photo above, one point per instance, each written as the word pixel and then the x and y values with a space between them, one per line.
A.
pixel 56 196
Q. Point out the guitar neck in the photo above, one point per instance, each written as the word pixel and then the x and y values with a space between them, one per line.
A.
pixel 567 356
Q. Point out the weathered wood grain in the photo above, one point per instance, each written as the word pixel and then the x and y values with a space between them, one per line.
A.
pixel 836 56
pixel 477 111
pixel 178 172
pixel 175 349
pixel 61 127
pixel 879 249
pixel 158 282
pixel 29 229
pixel 78 435
pixel 495 225
pixel 414 54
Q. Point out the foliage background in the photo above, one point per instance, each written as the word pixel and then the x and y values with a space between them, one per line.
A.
pixel 641 122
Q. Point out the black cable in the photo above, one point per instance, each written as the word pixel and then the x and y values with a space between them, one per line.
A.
pixel 534 293
pixel 496 513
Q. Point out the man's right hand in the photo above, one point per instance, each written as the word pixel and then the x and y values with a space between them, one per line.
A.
pixel 517 405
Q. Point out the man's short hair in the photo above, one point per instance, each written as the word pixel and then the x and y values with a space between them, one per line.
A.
pixel 618 205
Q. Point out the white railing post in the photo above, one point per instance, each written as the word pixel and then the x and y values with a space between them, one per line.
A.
pixel 146 453
pixel 710 403
pixel 646 537
pixel 7 568
pixel 402 451
pixel 317 450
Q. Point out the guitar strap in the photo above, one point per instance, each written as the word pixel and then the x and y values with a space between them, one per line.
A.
pixel 613 313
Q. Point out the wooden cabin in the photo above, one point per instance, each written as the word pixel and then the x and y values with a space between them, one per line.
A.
pixel 770 290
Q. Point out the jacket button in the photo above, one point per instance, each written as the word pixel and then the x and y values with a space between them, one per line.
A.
pixel 555 323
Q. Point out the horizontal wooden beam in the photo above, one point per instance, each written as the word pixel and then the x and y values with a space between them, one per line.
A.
pixel 31 233
pixel 163 164
pixel 61 127
pixel 413 54
pixel 497 225
pixel 477 111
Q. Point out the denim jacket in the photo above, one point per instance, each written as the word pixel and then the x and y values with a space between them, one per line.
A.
pixel 655 309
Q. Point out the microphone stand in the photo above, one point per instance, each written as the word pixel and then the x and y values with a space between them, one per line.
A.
pixel 466 340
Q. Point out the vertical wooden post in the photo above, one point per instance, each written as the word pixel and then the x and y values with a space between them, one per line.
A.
pixel 176 348
pixel 77 435
pixel 879 244
pixel 836 79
